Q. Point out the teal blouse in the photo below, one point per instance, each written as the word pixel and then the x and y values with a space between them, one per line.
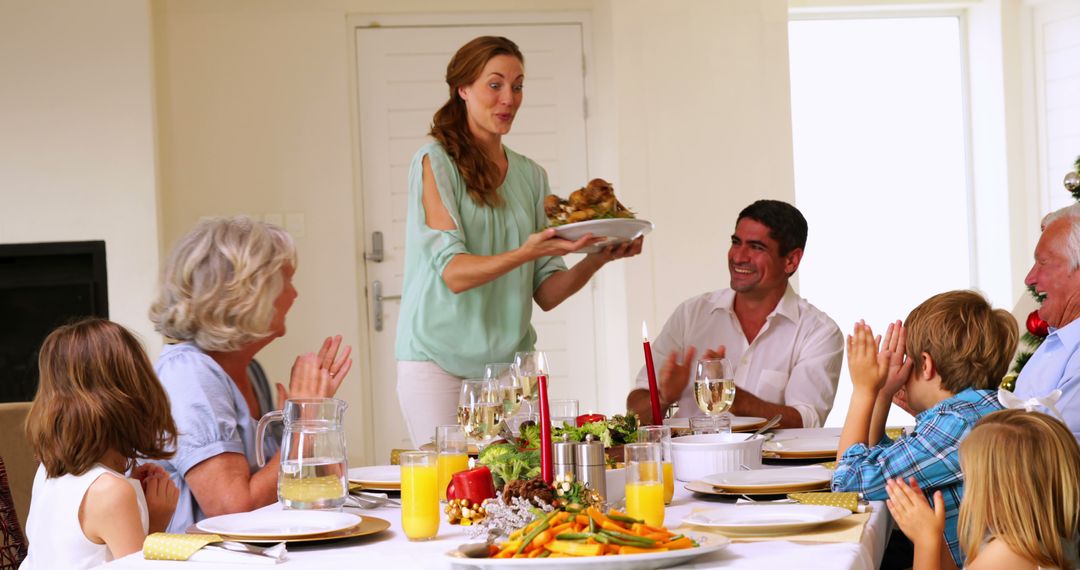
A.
pixel 462 332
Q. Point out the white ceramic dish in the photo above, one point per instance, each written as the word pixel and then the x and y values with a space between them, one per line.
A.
pixel 615 482
pixel 709 543
pixel 283 524
pixel 794 478
pixel 738 423
pixel 616 230
pixel 803 447
pixel 697 456
pixel 766 520
pixel 376 474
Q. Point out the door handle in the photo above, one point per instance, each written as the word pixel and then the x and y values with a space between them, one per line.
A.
pixel 376 254
pixel 377 300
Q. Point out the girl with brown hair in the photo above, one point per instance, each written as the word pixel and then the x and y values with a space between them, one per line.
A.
pixel 99 408
pixel 477 250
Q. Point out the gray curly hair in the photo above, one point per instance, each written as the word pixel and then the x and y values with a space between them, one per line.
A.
pixel 220 282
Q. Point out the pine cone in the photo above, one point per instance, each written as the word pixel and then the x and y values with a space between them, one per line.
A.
pixel 535 490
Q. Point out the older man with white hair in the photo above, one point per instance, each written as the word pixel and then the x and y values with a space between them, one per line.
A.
pixel 1056 274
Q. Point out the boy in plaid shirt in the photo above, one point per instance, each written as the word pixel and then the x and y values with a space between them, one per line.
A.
pixel 943 365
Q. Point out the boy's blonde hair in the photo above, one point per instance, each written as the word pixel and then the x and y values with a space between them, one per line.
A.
pixel 1021 486
pixel 971 342
pixel 96 392
pixel 220 283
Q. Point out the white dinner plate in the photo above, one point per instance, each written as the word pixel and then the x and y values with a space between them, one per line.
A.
pixel 616 230
pixel 765 520
pixel 283 524
pixel 803 447
pixel 376 474
pixel 738 423
pixel 648 561
pixel 783 480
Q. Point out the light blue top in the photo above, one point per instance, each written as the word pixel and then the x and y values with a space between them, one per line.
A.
pixel 211 416
pixel 1056 365
pixel 462 332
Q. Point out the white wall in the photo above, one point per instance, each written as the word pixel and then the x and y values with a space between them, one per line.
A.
pixel 77 138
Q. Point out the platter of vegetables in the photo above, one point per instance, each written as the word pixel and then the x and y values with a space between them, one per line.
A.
pixel 583 536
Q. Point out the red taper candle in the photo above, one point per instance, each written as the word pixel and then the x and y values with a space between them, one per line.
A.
pixel 654 391
pixel 547 470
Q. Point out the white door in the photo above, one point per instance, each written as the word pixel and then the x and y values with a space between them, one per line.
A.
pixel 400 73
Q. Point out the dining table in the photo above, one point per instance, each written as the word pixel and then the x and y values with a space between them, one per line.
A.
pixel 391 549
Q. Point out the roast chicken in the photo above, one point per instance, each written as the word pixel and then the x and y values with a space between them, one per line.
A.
pixel 593 202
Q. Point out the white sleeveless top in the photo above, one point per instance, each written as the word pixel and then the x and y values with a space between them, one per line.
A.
pixel 52 528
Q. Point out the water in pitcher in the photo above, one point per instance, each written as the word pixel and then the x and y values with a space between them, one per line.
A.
pixel 313 483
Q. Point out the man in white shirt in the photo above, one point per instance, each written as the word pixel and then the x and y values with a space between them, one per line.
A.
pixel 786 353
pixel 1056 274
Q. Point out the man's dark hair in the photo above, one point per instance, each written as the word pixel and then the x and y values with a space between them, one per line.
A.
pixel 785 222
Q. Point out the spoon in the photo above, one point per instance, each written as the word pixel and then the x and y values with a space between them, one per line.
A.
pixel 769 424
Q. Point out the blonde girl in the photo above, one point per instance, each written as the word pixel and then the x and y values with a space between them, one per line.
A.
pixel 99 407
pixel 1021 505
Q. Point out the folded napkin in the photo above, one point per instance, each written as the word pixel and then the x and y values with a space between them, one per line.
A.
pixel 849 501
pixel 209 548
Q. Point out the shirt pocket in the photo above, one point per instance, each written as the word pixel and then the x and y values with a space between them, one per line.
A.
pixel 771 385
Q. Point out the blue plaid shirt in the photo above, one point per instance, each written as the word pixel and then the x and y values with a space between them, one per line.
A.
pixel 929 454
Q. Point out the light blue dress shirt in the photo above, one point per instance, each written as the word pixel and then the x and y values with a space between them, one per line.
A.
pixel 1056 366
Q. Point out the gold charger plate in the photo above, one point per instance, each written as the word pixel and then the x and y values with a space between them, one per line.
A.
pixel 373 486
pixel 710 489
pixel 368 525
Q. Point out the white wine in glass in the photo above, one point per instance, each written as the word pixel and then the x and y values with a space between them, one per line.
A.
pixel 480 409
pixel 714 396
pixel 506 384
pixel 714 385
pixel 528 367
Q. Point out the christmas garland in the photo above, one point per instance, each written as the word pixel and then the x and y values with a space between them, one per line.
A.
pixel 1037 328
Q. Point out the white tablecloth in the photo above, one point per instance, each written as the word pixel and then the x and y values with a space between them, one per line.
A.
pixel 390 549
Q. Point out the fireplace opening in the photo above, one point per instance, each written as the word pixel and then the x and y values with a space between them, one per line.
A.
pixel 42 286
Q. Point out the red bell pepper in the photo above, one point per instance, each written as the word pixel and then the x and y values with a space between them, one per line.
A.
pixel 589 418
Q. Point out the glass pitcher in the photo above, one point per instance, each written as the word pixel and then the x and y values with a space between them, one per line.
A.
pixel 314 472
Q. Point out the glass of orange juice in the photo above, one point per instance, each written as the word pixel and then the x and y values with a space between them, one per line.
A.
pixel 419 495
pixel 662 436
pixel 645 483
pixel 453 454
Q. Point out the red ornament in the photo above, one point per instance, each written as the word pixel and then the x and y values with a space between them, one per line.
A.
pixel 473 484
pixel 1037 326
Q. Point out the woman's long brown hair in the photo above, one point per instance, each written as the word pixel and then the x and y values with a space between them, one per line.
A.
pixel 450 124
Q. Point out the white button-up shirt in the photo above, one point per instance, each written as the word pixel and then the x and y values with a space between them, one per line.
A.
pixel 794 360
pixel 1056 366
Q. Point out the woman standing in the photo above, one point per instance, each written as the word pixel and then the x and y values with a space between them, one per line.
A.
pixel 476 251
pixel 225 291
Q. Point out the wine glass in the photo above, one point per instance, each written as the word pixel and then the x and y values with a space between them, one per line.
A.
pixel 528 367
pixel 507 384
pixel 714 388
pixel 480 410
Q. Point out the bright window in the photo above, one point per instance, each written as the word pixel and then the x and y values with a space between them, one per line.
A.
pixel 880 168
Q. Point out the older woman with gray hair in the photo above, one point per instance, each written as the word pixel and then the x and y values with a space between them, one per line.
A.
pixel 224 294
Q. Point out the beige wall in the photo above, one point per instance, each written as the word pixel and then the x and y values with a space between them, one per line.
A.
pixel 77 138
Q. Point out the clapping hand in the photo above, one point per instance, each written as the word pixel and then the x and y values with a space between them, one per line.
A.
pixel 899 365
pixel 911 511
pixel 161 494
pixel 868 367
pixel 675 373
pixel 317 375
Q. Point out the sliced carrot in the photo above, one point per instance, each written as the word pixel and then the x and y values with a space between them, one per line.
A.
pixel 679 544
pixel 574 548
pixel 636 550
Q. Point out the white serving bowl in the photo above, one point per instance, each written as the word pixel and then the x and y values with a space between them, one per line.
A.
pixel 615 481
pixel 697 456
